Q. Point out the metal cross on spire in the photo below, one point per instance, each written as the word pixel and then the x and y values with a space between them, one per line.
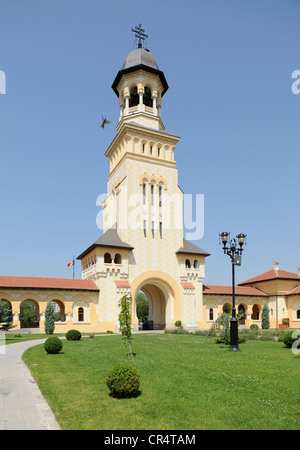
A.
pixel 139 33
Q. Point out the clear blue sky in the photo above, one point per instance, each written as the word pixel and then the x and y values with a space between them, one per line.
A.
pixel 228 65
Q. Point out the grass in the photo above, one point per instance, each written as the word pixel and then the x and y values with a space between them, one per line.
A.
pixel 187 383
pixel 11 339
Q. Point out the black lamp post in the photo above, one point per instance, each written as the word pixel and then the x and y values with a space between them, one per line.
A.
pixel 231 248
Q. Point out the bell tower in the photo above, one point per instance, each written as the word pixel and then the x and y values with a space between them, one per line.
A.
pixel 142 245
pixel 140 86
pixel 141 157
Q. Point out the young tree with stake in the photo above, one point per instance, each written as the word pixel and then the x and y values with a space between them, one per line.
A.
pixel 125 320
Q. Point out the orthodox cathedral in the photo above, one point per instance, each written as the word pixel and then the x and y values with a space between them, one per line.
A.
pixel 142 247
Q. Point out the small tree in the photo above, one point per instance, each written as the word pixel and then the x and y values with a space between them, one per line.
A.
pixel 125 320
pixel 49 318
pixel 265 322
pixel 221 327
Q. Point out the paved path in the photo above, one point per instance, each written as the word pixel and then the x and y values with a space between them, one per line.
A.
pixel 22 406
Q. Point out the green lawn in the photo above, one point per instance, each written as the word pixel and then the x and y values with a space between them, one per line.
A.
pixel 187 383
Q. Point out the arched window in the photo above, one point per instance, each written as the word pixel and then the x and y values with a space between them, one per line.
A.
pixel 241 314
pixel 80 314
pixel 144 193
pixel 196 264
pixel 211 314
pixel 226 309
pixel 160 190
pixel 187 264
pixel 255 312
pixel 118 258
pixel 147 100
pixel 107 258
pixel 152 194
pixel 134 97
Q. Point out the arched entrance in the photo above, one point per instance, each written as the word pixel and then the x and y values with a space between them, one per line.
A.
pixel 241 314
pixel 164 298
pixel 255 312
pixel 157 296
pixel 29 314
pixel 59 310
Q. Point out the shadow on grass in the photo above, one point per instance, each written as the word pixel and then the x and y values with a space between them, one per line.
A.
pixel 135 395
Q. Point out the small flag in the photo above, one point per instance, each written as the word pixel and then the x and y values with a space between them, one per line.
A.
pixel 71 264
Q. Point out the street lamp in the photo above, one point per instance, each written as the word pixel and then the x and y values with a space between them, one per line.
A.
pixel 233 248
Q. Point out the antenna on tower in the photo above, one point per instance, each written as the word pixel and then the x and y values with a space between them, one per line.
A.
pixel 139 34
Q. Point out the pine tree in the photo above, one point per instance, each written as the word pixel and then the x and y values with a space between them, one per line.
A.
pixel 6 318
pixel 265 322
pixel 49 318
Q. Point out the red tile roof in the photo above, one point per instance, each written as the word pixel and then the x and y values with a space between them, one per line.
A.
pixel 294 291
pixel 187 285
pixel 227 290
pixel 122 283
pixel 47 283
pixel 272 275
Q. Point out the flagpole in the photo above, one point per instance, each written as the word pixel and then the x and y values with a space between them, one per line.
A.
pixel 73 266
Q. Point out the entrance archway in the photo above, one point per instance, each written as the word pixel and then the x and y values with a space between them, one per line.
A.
pixel 164 296
pixel 29 314
pixel 255 312
pixel 157 297
pixel 241 314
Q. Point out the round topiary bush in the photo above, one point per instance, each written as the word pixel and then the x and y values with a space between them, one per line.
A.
pixel 53 345
pixel 288 339
pixel 73 335
pixel 123 381
pixel 253 326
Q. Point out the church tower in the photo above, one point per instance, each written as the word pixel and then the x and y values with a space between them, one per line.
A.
pixel 142 246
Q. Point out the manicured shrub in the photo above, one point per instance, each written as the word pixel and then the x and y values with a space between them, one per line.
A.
pixel 73 335
pixel 288 339
pixel 123 381
pixel 265 321
pixel 53 345
pixel 253 326
pixel 178 323
pixel 49 318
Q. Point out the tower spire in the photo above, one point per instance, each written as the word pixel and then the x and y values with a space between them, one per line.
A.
pixel 139 33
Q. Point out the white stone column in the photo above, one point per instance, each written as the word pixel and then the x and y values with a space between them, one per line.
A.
pixel 141 106
pixel 154 99
pixel 126 109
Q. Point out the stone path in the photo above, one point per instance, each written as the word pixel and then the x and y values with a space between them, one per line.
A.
pixel 22 406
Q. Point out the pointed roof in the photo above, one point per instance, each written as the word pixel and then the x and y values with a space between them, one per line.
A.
pixel 272 274
pixel 108 239
pixel 192 249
